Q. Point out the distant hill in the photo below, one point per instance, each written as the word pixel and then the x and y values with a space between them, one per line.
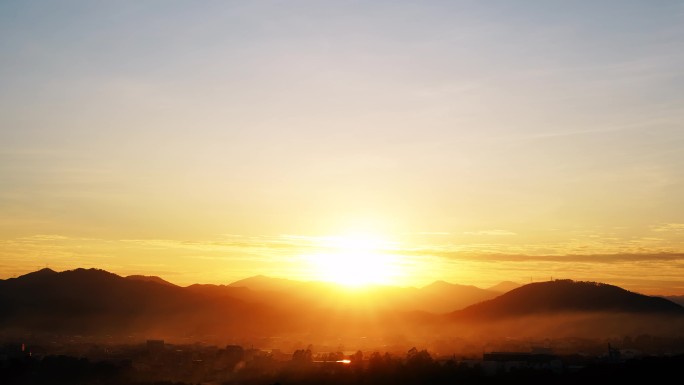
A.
pixel 91 301
pixel 443 297
pixel 567 296
pixel 150 278
pixel 95 300
pixel 678 299
pixel 262 282
pixel 438 297
pixel 504 287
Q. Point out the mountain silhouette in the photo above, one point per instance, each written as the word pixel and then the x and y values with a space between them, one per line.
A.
pixel 92 301
pixel 437 297
pixel 264 283
pixel 150 278
pixel 678 299
pixel 567 296
pixel 95 300
pixel 504 287
pixel 443 297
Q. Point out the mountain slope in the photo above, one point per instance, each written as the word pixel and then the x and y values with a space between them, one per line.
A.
pixel 504 287
pixel 567 296
pixel 150 278
pixel 95 300
pixel 438 297
pixel 443 297
pixel 262 282
pixel 678 299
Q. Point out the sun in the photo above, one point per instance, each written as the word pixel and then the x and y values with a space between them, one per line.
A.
pixel 354 261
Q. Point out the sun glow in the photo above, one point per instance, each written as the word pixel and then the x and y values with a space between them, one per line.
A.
pixel 357 260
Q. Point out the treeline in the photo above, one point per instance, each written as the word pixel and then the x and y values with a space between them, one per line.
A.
pixel 60 370
pixel 419 368
pixel 415 368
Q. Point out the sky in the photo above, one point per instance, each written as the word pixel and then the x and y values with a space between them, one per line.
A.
pixel 473 142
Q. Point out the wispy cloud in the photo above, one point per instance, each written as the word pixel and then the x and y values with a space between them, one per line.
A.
pixel 505 255
pixel 669 227
pixel 490 232
pixel 570 258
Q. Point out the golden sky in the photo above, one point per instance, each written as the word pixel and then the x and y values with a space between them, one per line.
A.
pixel 475 142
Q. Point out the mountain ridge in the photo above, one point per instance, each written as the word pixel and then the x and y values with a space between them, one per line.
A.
pixel 150 278
pixel 567 296
pixel 97 301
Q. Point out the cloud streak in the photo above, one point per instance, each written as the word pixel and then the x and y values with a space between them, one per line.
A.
pixel 570 258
